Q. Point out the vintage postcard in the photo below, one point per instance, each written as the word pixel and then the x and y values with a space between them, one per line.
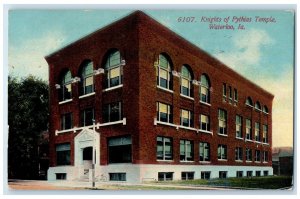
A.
pixel 106 99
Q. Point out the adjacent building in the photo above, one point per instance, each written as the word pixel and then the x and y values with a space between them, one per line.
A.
pixel 163 109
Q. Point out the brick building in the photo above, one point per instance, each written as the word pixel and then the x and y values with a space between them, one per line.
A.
pixel 163 109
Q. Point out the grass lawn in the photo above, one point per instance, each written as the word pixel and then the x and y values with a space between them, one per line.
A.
pixel 270 182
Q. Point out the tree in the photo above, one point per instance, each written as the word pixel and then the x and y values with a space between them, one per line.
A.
pixel 27 118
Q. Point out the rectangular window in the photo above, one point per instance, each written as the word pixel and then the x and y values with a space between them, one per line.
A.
pixel 204 123
pixel 63 152
pixel 266 173
pixel 248 154
pixel 222 174
pixel 186 150
pixel 204 94
pixel 66 121
pixel 248 130
pixel 257 156
pixel 187 175
pixel 164 112
pixel 165 176
pixel 164 148
pixel 112 112
pixel 186 118
pixel 114 75
pixel 249 173
pixel 265 133
pixel 238 126
pixel 87 117
pixel 265 156
pixel 61 176
pixel 222 152
pixel 239 174
pixel 257 173
pixel 239 153
pixel 88 85
pixel 222 122
pixel 230 92
pixel 257 132
pixel 119 149
pixel 235 95
pixel 204 151
pixel 185 87
pixel 117 176
pixel 224 90
pixel 205 175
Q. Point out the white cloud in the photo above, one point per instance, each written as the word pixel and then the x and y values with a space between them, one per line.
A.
pixel 246 49
pixel 28 57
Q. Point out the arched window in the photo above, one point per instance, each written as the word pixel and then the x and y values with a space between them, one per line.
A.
pixel 257 105
pixel 163 72
pixel 249 101
pixel 87 78
pixel 186 78
pixel 265 109
pixel 66 86
pixel 204 89
pixel 113 69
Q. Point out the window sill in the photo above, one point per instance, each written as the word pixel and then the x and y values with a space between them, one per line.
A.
pixel 165 123
pixel 165 89
pixel 258 162
pixel 258 110
pixel 123 121
pixel 204 131
pixel 205 103
pixel 248 161
pixel 239 138
pixel 249 105
pixel 264 143
pixel 222 160
pixel 63 131
pixel 87 95
pixel 240 161
pixel 224 135
pixel 65 101
pixel 188 97
pixel 113 88
pixel 257 142
pixel 165 160
pixel 246 140
pixel 265 113
pixel 186 161
pixel 187 128
pixel 205 162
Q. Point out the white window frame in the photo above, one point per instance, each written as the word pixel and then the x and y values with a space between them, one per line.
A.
pixel 248 130
pixel 238 126
pixel 204 148
pixel 248 154
pixel 223 121
pixel 185 150
pixel 207 125
pixel 257 132
pixel 168 111
pixel 84 77
pixel 168 71
pixel 205 88
pixel 238 154
pixel 265 156
pixel 64 85
pixel 63 121
pixel 108 68
pixel 265 133
pixel 257 156
pixel 190 115
pixel 109 112
pixel 235 95
pixel 222 150
pixel 164 148
pixel 188 79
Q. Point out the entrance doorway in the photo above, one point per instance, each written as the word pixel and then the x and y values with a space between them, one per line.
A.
pixel 87 157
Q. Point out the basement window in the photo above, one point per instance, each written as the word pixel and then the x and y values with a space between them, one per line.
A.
pixel 165 176
pixel 61 176
pixel 117 176
pixel 187 175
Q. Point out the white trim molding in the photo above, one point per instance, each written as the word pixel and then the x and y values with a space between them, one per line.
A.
pixel 65 101
pixel 87 95
pixel 165 89
pixel 113 88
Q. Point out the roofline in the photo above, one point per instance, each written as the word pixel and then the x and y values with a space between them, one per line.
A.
pixel 206 54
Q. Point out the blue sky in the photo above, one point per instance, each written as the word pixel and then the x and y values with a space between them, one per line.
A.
pixel 263 52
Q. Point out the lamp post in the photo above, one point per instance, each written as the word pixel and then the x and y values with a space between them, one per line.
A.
pixel 94 155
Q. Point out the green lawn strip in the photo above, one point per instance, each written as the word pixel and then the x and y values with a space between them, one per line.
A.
pixel 272 182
